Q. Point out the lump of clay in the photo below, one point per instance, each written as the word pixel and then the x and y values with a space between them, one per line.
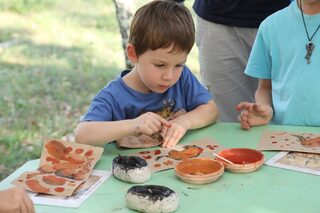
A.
pixel 131 169
pixel 152 198
pixel 140 141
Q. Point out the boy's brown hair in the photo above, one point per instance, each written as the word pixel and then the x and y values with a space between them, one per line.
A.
pixel 160 24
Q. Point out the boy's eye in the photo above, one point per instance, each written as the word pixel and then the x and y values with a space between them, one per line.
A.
pixel 159 65
pixel 179 65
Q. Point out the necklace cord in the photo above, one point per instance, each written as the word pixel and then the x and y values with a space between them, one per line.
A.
pixel 304 24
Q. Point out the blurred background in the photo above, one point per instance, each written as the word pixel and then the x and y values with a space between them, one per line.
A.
pixel 55 55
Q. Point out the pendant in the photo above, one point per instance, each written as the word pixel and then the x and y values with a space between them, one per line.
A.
pixel 309 47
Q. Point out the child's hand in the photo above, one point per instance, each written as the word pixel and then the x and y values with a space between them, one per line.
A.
pixel 253 114
pixel 173 134
pixel 149 123
pixel 15 200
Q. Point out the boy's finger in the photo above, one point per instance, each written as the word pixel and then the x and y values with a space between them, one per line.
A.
pixel 168 125
pixel 164 132
pixel 242 105
pixel 244 125
pixel 29 205
pixel 165 143
pixel 164 122
pixel 175 140
pixel 259 107
pixel 244 115
pixel 23 206
pixel 170 142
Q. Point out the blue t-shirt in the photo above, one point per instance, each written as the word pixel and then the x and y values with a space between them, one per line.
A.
pixel 117 101
pixel 279 54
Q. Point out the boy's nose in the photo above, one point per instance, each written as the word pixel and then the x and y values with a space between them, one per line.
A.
pixel 168 75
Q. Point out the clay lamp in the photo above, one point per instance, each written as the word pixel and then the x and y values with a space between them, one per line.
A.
pixel 199 170
pixel 243 159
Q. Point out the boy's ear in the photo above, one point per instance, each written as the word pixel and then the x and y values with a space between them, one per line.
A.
pixel 131 52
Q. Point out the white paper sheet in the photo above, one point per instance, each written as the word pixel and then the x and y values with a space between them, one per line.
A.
pixel 94 181
pixel 297 161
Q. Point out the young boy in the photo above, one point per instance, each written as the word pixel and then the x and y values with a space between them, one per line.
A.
pixel 286 58
pixel 159 86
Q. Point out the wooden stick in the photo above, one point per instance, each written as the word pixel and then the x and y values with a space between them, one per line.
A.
pixel 222 158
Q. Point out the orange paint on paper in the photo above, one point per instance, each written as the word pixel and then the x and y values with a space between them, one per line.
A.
pixel 67 150
pixel 53 160
pixel 89 153
pixel 54 180
pixel 73 158
pixel 65 165
pixel 147 157
pixel 55 149
pixel 157 152
pixel 35 186
pixel 79 151
pixel 59 189
pixel 168 163
pixel 189 151
pixel 144 152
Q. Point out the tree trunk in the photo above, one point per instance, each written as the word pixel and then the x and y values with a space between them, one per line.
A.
pixel 124 15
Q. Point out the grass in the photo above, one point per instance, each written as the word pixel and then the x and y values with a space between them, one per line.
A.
pixel 54 56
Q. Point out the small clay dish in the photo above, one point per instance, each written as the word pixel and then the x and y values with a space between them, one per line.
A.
pixel 244 159
pixel 199 170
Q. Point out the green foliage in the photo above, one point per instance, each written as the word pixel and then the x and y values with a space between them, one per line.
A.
pixel 52 62
pixel 55 55
pixel 23 6
pixel 15 150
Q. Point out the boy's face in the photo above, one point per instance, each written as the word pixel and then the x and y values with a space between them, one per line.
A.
pixel 160 69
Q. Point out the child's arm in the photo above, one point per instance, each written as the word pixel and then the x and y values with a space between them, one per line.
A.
pixel 201 116
pixel 99 133
pixel 259 113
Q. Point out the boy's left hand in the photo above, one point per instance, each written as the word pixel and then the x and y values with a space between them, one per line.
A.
pixel 173 134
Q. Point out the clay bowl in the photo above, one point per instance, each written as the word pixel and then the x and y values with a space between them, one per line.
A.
pixel 199 170
pixel 245 160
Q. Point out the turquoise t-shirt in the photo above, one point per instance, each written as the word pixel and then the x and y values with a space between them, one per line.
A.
pixel 279 54
pixel 117 101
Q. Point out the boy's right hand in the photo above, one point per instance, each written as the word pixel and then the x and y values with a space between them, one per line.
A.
pixel 253 114
pixel 149 123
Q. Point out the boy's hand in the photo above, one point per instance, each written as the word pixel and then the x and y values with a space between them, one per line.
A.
pixel 253 114
pixel 173 134
pixel 149 123
pixel 15 200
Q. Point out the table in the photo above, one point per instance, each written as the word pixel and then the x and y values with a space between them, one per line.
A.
pixel 267 190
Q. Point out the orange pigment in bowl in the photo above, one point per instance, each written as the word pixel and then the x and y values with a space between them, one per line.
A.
pixel 242 155
pixel 198 166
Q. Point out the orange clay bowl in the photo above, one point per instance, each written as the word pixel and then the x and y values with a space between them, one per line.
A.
pixel 199 170
pixel 245 160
